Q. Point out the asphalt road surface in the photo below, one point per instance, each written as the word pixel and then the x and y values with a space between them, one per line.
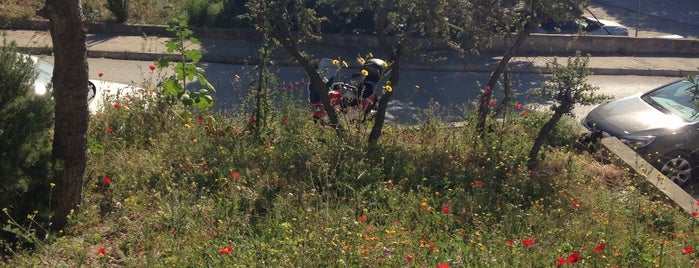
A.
pixel 646 18
pixel 416 91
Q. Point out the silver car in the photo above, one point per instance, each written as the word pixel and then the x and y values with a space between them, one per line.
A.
pixel 662 125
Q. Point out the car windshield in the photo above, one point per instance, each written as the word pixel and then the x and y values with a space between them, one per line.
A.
pixel 677 98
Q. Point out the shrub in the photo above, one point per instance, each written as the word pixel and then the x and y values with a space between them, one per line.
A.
pixel 25 149
pixel 203 12
pixel 120 9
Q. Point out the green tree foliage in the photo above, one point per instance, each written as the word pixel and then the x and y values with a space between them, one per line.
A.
pixel 525 17
pixel 25 145
pixel 567 88
pixel 291 23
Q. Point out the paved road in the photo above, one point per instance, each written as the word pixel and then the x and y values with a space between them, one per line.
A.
pixel 651 18
pixel 417 89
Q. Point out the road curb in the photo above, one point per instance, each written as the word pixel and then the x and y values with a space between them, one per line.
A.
pixel 652 176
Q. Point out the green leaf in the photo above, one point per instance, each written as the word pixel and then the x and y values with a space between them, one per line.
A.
pixel 205 82
pixel 194 41
pixel 171 46
pixel 163 62
pixel 193 55
pixel 94 146
pixel 170 86
pixel 191 71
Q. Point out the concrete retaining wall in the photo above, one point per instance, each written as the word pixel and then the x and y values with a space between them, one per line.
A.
pixel 536 44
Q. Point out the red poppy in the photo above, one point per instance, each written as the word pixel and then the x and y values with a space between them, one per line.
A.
pixel 107 180
pixel 509 243
pixel 151 67
pixel 688 250
pixel 362 218
pixel 477 183
pixel 442 265
pixel 528 242
pixel 117 105
pixel 109 129
pixel 574 257
pixel 286 121
pixel 200 118
pixel 409 258
pixel 101 251
pixel 445 209
pixel 561 261
pixel 575 203
pixel 431 245
pixel 518 106
pixel 226 250
pixel 525 112
pixel 697 203
pixel 694 213
pixel 235 175
pixel 100 74
pixel 252 119
pixel 599 247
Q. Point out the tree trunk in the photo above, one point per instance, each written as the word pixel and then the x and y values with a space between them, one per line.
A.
pixel 282 34
pixel 394 55
pixel 484 107
pixel 544 133
pixel 70 81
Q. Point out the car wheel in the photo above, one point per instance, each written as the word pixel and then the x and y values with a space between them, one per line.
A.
pixel 678 166
pixel 91 91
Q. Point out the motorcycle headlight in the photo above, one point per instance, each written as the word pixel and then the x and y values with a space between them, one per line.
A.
pixel 636 142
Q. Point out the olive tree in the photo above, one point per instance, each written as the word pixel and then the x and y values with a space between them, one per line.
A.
pixel 531 15
pixel 291 23
pixel 567 87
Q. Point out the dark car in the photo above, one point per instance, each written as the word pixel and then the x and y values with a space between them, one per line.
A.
pixel 662 125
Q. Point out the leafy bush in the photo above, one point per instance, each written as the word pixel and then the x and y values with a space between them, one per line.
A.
pixel 25 150
pixel 120 9
pixel 203 13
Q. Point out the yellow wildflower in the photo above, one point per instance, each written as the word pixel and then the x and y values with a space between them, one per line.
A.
pixel 336 62
pixel 365 72
pixel 361 60
pixel 388 88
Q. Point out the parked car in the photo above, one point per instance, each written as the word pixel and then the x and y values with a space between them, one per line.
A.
pixel 662 125
pixel 98 90
pixel 584 25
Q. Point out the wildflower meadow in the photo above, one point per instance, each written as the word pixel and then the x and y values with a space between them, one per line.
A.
pixel 174 186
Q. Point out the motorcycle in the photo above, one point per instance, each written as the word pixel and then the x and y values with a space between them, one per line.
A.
pixel 355 98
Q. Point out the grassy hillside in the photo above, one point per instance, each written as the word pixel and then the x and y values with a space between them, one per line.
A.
pixel 169 187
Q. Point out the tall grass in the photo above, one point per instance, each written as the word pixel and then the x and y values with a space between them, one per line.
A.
pixel 172 187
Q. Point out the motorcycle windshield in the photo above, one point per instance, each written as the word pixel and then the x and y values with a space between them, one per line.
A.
pixel 328 70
